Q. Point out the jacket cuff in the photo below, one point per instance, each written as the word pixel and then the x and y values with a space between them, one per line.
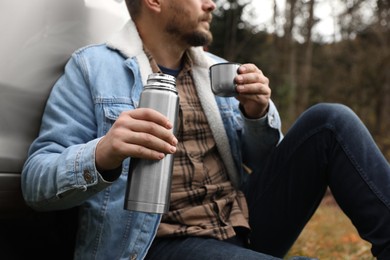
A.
pixel 271 118
pixel 86 171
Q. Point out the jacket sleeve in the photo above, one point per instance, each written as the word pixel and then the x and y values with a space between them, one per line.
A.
pixel 60 169
pixel 260 136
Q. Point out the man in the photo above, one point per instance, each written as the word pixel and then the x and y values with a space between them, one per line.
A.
pixel 239 191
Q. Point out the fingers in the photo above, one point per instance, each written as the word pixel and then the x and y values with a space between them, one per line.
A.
pixel 150 115
pixel 145 133
pixel 251 80
pixel 142 133
pixel 145 124
pixel 253 90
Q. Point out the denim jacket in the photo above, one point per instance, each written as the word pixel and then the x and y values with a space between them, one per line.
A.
pixel 99 82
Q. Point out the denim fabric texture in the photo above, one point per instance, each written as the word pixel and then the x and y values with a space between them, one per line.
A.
pixel 327 146
pixel 195 248
pixel 100 82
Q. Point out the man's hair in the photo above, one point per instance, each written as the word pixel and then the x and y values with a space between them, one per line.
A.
pixel 134 8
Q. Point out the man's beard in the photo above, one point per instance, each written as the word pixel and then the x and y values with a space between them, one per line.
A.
pixel 198 39
pixel 193 38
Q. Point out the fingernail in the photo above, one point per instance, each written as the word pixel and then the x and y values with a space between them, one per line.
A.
pixel 173 149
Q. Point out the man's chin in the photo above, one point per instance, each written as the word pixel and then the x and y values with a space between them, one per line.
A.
pixel 200 39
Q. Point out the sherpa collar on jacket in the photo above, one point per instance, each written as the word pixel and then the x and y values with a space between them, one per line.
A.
pixel 128 42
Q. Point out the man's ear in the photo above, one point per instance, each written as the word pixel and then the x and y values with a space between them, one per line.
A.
pixel 154 5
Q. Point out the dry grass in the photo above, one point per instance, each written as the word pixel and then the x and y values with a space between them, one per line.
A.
pixel 331 235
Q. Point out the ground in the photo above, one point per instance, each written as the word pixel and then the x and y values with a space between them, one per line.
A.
pixel 331 235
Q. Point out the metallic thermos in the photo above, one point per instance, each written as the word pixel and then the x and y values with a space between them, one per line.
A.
pixel 149 181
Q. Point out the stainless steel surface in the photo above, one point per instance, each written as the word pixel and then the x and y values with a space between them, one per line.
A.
pixel 222 79
pixel 38 37
pixel 149 181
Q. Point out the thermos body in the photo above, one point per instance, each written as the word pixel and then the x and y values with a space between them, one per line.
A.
pixel 149 181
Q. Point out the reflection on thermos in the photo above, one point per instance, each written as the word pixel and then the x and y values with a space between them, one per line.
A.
pixel 149 181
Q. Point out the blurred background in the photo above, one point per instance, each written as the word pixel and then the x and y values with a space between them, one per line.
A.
pixel 314 51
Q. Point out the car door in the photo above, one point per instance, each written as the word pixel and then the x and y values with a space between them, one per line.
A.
pixel 38 37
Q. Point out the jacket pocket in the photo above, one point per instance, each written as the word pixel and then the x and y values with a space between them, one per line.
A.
pixel 111 112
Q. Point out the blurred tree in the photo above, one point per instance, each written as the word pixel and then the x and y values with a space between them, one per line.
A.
pixel 231 34
pixel 290 53
pixel 305 78
pixel 381 30
pixel 353 70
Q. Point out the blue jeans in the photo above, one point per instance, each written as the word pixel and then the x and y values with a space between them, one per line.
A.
pixel 195 248
pixel 328 146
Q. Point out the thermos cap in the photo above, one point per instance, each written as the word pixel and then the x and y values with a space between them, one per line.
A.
pixel 161 81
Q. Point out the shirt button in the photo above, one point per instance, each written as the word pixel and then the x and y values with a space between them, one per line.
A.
pixel 88 176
